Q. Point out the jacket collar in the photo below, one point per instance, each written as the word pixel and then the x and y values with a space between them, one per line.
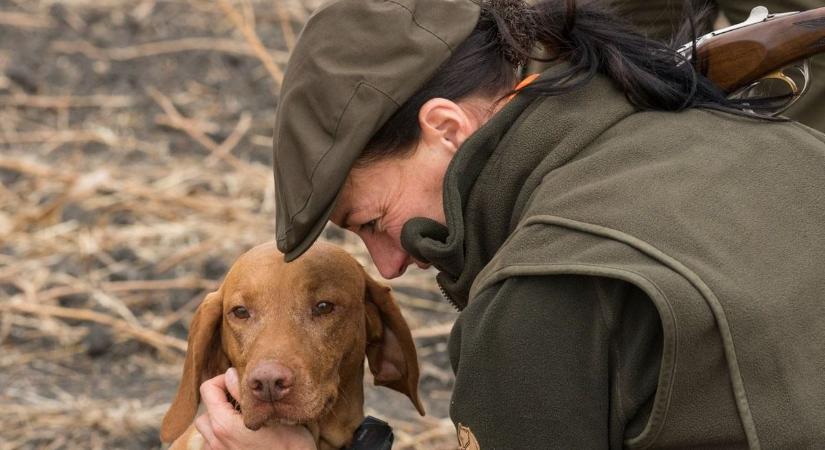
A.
pixel 489 180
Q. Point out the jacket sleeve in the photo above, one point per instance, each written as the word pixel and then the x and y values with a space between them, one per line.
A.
pixel 536 363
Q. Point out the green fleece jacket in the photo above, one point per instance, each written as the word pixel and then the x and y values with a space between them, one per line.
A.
pixel 633 279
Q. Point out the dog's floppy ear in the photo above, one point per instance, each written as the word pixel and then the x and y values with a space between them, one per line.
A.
pixel 204 359
pixel 390 347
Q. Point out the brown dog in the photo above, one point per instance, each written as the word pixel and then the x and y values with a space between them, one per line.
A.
pixel 297 334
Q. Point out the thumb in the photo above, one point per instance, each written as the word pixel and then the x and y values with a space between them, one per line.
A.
pixel 232 383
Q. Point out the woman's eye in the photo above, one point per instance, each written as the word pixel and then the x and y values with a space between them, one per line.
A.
pixel 240 312
pixel 370 226
pixel 322 308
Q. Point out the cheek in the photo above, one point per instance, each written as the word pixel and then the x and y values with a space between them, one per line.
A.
pixel 392 233
pixel 238 338
pixel 422 198
pixel 332 341
pixel 431 206
pixel 334 330
pixel 234 350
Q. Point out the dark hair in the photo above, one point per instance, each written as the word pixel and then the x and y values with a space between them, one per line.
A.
pixel 653 74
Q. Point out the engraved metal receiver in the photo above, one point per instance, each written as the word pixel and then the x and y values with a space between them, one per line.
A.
pixel 762 61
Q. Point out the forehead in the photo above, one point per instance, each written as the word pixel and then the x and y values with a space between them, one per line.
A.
pixel 324 267
pixel 343 204
pixel 365 184
pixel 318 269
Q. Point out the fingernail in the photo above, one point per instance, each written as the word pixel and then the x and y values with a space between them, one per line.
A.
pixel 231 376
pixel 232 381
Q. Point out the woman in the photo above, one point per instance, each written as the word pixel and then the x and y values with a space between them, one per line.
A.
pixel 634 258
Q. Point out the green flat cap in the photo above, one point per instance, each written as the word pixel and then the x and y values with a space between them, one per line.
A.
pixel 355 63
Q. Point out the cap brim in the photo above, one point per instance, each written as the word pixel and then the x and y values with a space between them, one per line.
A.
pixel 310 237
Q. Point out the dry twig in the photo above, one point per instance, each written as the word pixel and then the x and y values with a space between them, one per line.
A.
pixel 23 20
pixel 286 25
pixel 161 342
pixel 67 101
pixel 247 28
pixel 222 151
pixel 165 47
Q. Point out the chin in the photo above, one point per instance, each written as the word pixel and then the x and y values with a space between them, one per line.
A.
pixel 292 411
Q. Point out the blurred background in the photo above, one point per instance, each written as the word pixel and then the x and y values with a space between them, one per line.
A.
pixel 135 153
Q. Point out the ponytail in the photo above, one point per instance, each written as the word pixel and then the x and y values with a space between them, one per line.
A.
pixel 651 73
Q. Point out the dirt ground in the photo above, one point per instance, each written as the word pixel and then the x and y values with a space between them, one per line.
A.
pixel 135 152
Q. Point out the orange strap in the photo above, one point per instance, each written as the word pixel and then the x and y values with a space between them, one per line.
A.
pixel 524 83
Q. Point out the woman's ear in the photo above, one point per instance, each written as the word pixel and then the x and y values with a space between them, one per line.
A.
pixel 204 359
pixel 390 347
pixel 445 124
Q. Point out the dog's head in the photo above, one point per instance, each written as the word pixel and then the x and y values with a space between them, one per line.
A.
pixel 293 331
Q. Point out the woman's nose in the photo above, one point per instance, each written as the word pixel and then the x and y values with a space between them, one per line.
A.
pixel 390 261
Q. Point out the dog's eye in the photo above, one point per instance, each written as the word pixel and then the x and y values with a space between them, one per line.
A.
pixel 322 308
pixel 240 312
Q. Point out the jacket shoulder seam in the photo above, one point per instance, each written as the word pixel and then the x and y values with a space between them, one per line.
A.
pixel 713 303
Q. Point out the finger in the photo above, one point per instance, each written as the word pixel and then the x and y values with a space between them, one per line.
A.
pixel 204 427
pixel 213 396
pixel 232 383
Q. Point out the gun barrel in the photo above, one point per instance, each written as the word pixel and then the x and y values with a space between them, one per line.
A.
pixel 737 58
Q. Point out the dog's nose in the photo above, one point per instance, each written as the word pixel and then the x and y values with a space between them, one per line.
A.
pixel 270 381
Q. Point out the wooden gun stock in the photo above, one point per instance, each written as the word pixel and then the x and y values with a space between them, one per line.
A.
pixel 745 53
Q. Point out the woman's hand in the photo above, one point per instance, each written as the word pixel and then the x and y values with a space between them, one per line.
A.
pixel 223 427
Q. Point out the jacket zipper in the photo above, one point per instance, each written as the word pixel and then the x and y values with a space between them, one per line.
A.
pixel 447 296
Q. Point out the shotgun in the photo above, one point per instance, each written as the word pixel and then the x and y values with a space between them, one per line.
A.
pixel 763 57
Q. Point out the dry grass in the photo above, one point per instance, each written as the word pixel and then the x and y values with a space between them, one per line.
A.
pixel 134 167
